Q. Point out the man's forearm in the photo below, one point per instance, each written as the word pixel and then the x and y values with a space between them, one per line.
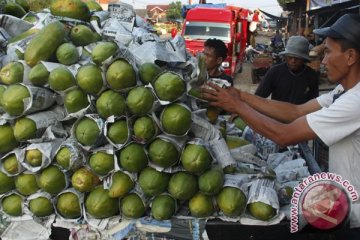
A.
pixel 281 111
pixel 273 129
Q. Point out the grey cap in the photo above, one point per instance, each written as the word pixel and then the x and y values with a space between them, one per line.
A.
pixel 297 46
pixel 346 27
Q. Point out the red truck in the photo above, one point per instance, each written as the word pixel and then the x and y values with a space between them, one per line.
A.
pixel 228 24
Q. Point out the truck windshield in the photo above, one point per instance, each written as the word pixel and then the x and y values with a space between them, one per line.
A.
pixel 206 30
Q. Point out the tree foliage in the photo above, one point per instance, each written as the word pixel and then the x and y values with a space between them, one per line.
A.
pixel 174 11
pixel 282 3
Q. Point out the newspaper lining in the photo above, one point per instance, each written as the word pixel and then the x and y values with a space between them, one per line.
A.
pixel 222 153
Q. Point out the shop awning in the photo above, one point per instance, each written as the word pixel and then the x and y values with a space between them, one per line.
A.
pixel 335 7
pixel 273 16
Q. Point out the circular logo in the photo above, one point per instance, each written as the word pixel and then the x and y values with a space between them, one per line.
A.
pixel 325 205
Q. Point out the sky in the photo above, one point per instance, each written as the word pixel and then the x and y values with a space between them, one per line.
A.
pixel 270 6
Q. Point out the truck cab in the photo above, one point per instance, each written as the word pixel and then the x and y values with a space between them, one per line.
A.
pixel 228 24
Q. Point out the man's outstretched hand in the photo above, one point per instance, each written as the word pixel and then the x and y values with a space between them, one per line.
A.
pixel 225 98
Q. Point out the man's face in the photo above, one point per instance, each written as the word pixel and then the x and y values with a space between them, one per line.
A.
pixel 212 61
pixel 334 61
pixel 294 63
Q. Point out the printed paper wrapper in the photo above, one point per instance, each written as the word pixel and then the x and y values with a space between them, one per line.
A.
pixel 19 153
pixel 158 121
pixel 124 13
pixel 50 66
pixel 200 142
pixel 50 134
pixel 275 159
pixel 169 51
pixel 13 26
pixel 44 221
pixel 90 48
pixel 107 182
pixel 100 139
pixel 97 18
pixel 288 165
pixel 46 119
pixel 222 153
pixel 141 140
pixel 239 181
pixel 263 190
pixel 200 75
pixel 141 35
pixel 166 194
pixel 202 128
pixel 40 99
pixel 152 85
pixel 264 146
pixel 241 154
pixel 108 149
pixel 89 109
pixel 26 230
pixel 298 173
pixel 77 157
pixel 144 198
pixel 123 53
pixel 25 211
pixel 178 142
pixel 110 120
pixel 47 150
pixel 26 72
pixel 76 221
pixel 100 224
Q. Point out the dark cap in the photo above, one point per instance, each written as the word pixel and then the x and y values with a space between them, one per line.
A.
pixel 346 27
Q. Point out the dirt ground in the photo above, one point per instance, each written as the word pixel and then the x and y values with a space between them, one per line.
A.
pixel 244 80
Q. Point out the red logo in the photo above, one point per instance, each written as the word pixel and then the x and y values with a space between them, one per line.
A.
pixel 325 205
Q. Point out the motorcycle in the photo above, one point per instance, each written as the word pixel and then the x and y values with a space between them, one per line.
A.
pixel 251 53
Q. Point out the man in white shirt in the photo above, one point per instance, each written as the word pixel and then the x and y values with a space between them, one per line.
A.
pixel 336 123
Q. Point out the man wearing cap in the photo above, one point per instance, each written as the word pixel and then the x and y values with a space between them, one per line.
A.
pixel 333 117
pixel 291 81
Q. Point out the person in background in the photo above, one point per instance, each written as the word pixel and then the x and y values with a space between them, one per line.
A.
pixel 276 40
pixel 291 81
pixel 255 17
pixel 333 117
pixel 311 38
pixel 215 51
pixel 254 22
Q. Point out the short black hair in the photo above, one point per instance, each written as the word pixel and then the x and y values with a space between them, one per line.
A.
pixel 219 46
pixel 346 44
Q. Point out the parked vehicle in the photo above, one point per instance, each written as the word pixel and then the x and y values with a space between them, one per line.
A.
pixel 227 23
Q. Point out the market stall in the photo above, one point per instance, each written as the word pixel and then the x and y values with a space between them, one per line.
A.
pixel 104 135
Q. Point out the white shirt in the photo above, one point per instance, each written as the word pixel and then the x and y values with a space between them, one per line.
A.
pixel 338 126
